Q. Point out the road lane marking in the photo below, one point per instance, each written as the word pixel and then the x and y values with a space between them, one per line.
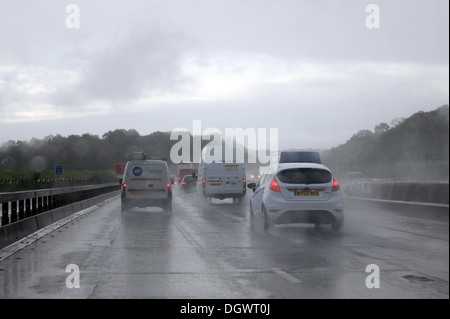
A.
pixel 398 201
pixel 285 275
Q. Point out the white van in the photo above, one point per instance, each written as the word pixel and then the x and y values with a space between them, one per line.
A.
pixel 219 179
pixel 146 183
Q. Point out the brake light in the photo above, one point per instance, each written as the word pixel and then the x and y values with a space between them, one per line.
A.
pixel 335 185
pixel 169 187
pixel 274 186
pixel 204 184
pixel 244 181
pixel 124 185
pixel 184 183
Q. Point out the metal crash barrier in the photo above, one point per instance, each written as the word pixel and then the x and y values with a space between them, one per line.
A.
pixel 16 206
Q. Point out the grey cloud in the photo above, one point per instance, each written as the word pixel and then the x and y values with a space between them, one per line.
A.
pixel 147 61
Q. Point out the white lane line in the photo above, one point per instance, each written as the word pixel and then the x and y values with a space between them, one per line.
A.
pixel 285 275
pixel 397 201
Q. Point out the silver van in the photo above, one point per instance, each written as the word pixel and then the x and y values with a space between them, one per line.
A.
pixel 146 183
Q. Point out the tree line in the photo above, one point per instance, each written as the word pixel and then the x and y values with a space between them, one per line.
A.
pixel 416 147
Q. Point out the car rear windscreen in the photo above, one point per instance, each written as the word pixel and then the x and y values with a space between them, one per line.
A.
pixel 305 176
pixel 300 157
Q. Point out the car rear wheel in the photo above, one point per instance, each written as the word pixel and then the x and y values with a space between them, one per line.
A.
pixel 337 225
pixel 124 207
pixel 251 216
pixel 267 225
pixel 168 207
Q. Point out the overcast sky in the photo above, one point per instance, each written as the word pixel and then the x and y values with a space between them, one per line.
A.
pixel 313 69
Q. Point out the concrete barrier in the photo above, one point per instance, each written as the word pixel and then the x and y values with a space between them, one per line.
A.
pixel 15 231
pixel 420 192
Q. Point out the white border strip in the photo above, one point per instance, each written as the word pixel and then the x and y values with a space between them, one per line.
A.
pixel 398 201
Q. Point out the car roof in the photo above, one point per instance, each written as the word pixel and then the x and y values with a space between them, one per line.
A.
pixel 282 166
pixel 300 165
pixel 147 161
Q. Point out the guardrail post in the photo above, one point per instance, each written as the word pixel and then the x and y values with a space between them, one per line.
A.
pixel 21 209
pixel 13 211
pixel 33 206
pixel 50 202
pixel 5 217
pixel 39 204
pixel 45 208
pixel 28 207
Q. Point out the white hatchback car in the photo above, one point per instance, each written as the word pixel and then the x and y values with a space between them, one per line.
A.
pixel 297 193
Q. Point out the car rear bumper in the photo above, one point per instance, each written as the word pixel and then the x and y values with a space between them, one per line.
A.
pixel 225 194
pixel 314 212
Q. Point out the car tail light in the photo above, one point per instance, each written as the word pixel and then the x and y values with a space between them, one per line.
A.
pixel 335 185
pixel 204 184
pixel 124 188
pixel 169 187
pixel 274 186
pixel 244 183
pixel 183 183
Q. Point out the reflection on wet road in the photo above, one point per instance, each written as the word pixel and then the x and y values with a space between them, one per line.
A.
pixel 210 250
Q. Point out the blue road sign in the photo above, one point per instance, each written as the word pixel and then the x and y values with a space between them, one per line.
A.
pixel 58 170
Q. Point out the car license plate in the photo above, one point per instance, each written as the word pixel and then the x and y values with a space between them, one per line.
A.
pixel 215 184
pixel 311 192
pixel 134 193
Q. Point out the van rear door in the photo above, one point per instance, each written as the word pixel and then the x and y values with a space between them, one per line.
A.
pixel 145 179
pixel 233 178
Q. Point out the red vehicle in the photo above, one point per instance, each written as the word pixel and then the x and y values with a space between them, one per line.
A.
pixel 182 172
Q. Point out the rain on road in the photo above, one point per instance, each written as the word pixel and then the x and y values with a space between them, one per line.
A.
pixel 210 250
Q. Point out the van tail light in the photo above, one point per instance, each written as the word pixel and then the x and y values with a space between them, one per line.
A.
pixel 169 187
pixel 244 183
pixel 335 185
pixel 204 183
pixel 274 186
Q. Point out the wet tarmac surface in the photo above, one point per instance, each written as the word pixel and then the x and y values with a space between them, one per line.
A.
pixel 210 250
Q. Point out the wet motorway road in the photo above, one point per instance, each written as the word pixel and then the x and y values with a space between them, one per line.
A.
pixel 209 250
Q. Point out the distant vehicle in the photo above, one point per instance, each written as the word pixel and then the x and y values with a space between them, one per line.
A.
pixel 297 193
pixel 188 183
pixel 146 183
pixel 182 172
pixel 220 179
pixel 300 157
pixel 355 177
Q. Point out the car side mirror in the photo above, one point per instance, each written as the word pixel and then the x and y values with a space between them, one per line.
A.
pixel 252 186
